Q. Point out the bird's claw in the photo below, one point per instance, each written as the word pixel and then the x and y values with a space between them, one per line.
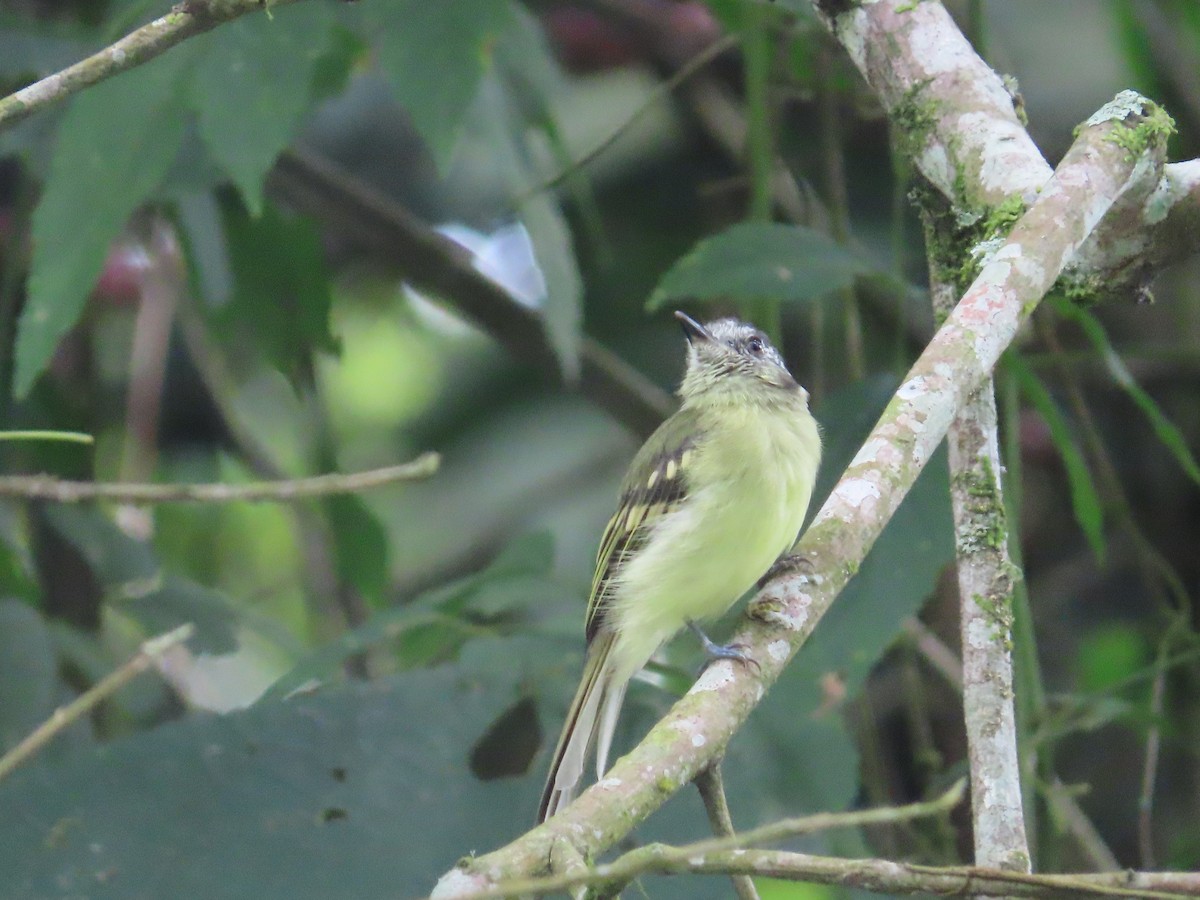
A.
pixel 785 565
pixel 715 651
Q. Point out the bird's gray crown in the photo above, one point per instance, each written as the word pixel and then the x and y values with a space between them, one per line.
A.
pixel 728 356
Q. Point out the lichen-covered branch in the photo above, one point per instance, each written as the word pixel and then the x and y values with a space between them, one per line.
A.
pixel 883 876
pixel 1096 171
pixel 963 127
pixel 985 587
pixel 185 20
pixel 611 878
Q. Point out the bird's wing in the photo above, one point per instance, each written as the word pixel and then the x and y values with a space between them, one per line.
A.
pixel 657 482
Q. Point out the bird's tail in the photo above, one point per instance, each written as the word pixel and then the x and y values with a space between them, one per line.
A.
pixel 592 715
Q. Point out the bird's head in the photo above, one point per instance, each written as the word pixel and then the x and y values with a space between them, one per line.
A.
pixel 732 360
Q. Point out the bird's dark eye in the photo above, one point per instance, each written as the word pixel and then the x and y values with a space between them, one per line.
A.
pixel 756 346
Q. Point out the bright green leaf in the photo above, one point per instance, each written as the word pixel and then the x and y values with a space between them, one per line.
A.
pixel 253 84
pixel 1109 655
pixel 115 144
pixel 1085 501
pixel 434 55
pixel 760 261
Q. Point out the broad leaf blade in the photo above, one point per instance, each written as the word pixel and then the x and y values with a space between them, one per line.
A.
pixel 28 672
pixel 364 792
pixel 760 261
pixel 115 144
pixel 252 86
pixel 434 55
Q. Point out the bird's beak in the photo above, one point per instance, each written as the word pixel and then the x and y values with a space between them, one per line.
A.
pixel 693 329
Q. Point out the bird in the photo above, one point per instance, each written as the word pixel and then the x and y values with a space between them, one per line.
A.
pixel 714 498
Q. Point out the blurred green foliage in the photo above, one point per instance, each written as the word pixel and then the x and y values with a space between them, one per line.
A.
pixel 376 679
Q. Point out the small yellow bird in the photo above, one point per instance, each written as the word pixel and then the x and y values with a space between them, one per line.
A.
pixel 713 498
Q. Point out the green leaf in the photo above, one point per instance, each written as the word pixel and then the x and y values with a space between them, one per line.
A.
pixel 28 672
pixel 1085 501
pixel 364 792
pixel 434 55
pixel 134 584
pixel 253 84
pixel 178 601
pixel 1170 435
pixel 1109 655
pixel 563 312
pixel 115 144
pixel 207 251
pixel 760 261
pixel 281 289
pixel 502 132
pixel 518 578
pixel 360 547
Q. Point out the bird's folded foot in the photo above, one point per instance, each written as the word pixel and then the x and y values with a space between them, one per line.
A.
pixel 715 651
pixel 786 565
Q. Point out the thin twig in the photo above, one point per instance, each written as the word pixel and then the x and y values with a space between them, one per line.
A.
pixel 888 877
pixel 711 785
pixel 941 658
pixel 45 487
pixel 652 858
pixel 148 654
pixel 1145 819
pixel 660 92
pixel 71 437
pixel 185 20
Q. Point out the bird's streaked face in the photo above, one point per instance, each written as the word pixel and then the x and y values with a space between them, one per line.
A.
pixel 728 357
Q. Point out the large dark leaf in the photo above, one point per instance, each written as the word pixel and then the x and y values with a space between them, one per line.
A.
pixel 359 793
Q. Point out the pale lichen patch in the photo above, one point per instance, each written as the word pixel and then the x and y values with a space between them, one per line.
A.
pixel 778 650
pixel 717 676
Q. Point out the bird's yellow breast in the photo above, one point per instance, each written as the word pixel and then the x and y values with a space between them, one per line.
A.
pixel 749 481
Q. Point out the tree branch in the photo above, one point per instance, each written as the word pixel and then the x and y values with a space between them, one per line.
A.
pixel 985 588
pixel 612 877
pixel 191 17
pixel 957 121
pixel 1094 173
pixel 44 487
pixel 711 785
pixel 317 187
